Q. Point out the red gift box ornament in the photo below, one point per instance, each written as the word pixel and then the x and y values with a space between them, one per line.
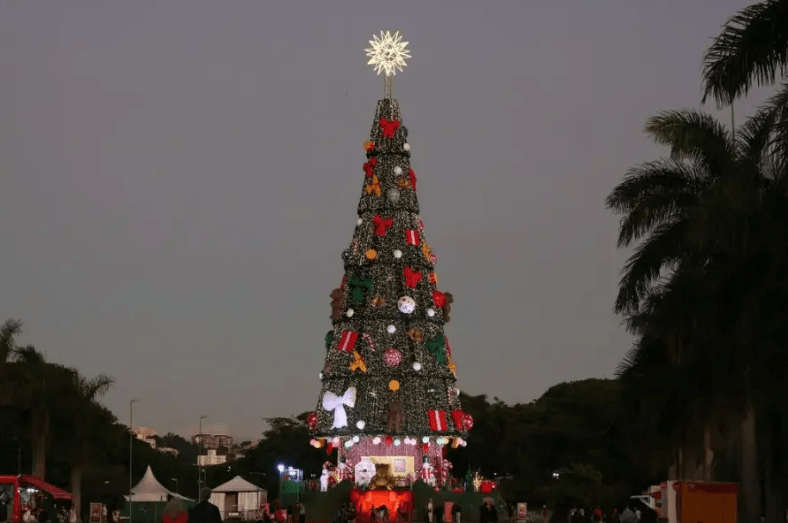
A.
pixel 388 127
pixel 456 417
pixel 412 237
pixel 438 420
pixel 311 421
pixel 347 341
pixel 382 225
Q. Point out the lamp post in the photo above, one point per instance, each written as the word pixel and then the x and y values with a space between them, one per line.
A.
pixel 131 447
pixel 177 489
pixel 281 469
pixel 199 458
pixel 259 505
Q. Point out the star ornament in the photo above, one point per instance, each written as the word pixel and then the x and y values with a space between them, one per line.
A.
pixel 388 53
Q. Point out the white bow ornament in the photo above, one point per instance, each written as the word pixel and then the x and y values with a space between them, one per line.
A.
pixel 337 403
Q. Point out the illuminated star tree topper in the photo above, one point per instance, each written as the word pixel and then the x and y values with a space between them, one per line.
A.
pixel 387 55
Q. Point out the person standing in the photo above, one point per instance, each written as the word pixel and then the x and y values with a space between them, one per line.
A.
pixel 629 516
pixel 205 511
pixel 174 512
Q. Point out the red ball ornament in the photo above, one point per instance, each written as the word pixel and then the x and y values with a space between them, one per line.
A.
pixel 392 357
pixel 389 440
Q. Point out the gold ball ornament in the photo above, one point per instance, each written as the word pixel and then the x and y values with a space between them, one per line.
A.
pixel 371 254
pixel 369 145
pixel 394 385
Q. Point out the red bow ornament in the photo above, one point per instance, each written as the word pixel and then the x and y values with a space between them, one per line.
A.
pixel 369 166
pixel 412 178
pixel 463 420
pixel 382 225
pixel 388 127
pixel 311 421
pixel 412 278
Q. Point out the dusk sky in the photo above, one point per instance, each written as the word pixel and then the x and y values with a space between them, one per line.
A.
pixel 178 181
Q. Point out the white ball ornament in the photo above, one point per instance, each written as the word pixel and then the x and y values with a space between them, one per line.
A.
pixel 361 424
pixel 417 366
pixel 376 440
pixel 406 146
pixel 391 329
pixel 356 439
pixel 398 170
pixel 397 442
pixel 425 439
pixel 393 195
pixel 349 313
pixel 430 312
pixel 349 443
pixel 359 221
pixel 397 253
pixel 406 304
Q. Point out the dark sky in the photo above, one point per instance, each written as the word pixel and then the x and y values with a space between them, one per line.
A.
pixel 178 181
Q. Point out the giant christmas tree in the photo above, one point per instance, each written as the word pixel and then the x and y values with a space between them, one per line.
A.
pixel 389 393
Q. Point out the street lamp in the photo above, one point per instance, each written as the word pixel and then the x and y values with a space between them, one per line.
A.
pixel 131 447
pixel 199 456
pixel 177 489
pixel 281 469
pixel 262 475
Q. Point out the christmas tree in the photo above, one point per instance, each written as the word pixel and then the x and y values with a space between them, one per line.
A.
pixel 389 377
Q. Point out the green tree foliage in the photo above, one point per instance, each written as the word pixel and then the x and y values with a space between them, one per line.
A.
pixel 705 292
pixel 285 442
pixel 575 429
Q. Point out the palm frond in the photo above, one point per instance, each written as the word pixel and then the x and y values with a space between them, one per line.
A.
pixel 694 135
pixel 751 48
pixel 29 356
pixel 776 150
pixel 92 389
pixel 653 194
pixel 8 331
pixel 662 250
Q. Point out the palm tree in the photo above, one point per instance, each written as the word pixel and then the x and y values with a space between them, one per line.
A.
pixel 699 215
pixel 8 332
pixel 750 50
pixel 35 387
pixel 85 414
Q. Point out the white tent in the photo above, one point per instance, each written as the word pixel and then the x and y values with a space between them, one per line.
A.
pixel 238 498
pixel 150 490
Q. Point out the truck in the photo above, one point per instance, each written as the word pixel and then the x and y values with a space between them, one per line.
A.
pixel 695 501
pixel 21 492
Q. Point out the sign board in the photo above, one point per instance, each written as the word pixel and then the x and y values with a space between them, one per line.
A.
pixel 522 511
pixel 95 513
pixel 447 505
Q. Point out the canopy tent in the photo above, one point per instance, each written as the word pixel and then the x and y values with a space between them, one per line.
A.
pixel 238 498
pixel 149 490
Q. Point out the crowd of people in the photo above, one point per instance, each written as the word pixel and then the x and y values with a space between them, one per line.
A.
pixel 632 513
